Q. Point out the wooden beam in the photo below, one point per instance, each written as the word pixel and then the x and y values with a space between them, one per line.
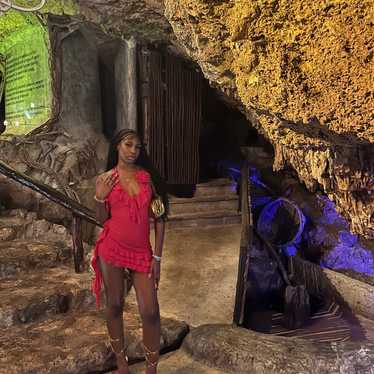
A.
pixel 125 73
pixel 245 241
pixel 50 193
pixel 78 251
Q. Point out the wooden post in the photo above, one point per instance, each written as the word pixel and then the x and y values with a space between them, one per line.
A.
pixel 131 82
pixel 125 73
pixel 144 78
pixel 78 251
pixel 246 239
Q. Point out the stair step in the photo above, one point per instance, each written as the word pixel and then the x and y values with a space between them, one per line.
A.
pixel 76 343
pixel 21 224
pixel 205 203
pixel 12 227
pixel 43 293
pixel 221 217
pixel 20 256
pixel 201 199
pixel 227 189
pixel 216 182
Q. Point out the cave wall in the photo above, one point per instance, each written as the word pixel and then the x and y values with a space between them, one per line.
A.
pixel 71 150
pixel 302 72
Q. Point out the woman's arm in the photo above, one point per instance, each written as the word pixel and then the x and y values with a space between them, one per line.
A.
pixel 104 184
pixel 159 236
pixel 102 213
pixel 157 253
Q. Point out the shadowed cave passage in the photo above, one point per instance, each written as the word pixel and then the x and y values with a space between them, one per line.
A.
pixel 305 225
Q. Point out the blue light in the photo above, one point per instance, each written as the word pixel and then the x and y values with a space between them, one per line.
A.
pixel 347 253
pixel 345 250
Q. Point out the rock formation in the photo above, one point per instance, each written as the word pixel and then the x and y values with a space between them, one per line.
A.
pixel 302 73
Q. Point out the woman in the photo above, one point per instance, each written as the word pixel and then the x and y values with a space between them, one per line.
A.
pixel 123 197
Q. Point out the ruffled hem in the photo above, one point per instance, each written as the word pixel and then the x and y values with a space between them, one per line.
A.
pixel 117 256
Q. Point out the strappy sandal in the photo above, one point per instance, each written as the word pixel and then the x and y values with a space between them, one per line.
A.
pixel 121 353
pixel 147 353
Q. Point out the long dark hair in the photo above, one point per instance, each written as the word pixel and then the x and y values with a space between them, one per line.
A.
pixel 143 161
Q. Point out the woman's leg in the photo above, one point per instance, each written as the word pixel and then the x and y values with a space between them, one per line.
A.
pixel 114 291
pixel 150 314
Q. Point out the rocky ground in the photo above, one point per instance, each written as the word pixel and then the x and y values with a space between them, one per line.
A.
pixel 50 323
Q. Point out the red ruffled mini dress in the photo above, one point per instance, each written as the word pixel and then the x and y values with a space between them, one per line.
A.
pixel 124 241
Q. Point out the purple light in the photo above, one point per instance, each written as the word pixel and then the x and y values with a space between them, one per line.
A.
pixel 347 253
pixel 330 216
pixel 330 230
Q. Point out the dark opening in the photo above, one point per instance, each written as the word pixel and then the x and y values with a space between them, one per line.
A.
pixel 107 55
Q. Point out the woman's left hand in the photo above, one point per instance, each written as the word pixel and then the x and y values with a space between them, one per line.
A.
pixel 155 271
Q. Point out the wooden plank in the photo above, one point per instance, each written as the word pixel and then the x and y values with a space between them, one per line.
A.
pixel 78 251
pixel 245 240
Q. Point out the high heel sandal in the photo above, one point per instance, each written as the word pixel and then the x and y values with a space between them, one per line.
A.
pixel 121 353
pixel 148 352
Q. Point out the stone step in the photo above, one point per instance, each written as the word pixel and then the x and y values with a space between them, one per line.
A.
pixel 196 219
pixel 22 224
pixel 216 187
pixel 76 343
pixel 21 256
pixel 203 204
pixel 44 293
pixel 216 182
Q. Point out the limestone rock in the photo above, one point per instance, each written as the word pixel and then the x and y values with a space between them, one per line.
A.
pixel 44 293
pixel 302 73
pixel 76 343
pixel 235 350
pixel 178 362
pixel 144 19
pixel 21 256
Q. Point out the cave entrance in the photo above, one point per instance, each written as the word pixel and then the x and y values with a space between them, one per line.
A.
pixel 224 130
pixel 190 133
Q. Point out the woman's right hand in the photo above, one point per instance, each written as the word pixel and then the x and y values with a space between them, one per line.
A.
pixel 104 184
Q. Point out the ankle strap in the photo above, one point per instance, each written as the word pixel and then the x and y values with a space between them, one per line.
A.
pixel 122 351
pixel 147 353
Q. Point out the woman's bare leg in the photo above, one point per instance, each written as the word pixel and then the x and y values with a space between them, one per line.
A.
pixel 114 290
pixel 149 311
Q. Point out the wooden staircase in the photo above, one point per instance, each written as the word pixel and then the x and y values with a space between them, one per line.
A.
pixel 214 203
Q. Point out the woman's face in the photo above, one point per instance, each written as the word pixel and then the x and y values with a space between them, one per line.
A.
pixel 129 149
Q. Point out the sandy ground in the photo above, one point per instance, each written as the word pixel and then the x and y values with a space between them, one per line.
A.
pixel 199 274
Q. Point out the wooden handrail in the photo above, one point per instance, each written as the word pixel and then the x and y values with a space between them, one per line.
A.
pixel 245 242
pixel 50 193
pixel 78 210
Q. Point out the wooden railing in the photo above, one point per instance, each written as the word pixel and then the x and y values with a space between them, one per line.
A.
pixel 245 243
pixel 78 210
